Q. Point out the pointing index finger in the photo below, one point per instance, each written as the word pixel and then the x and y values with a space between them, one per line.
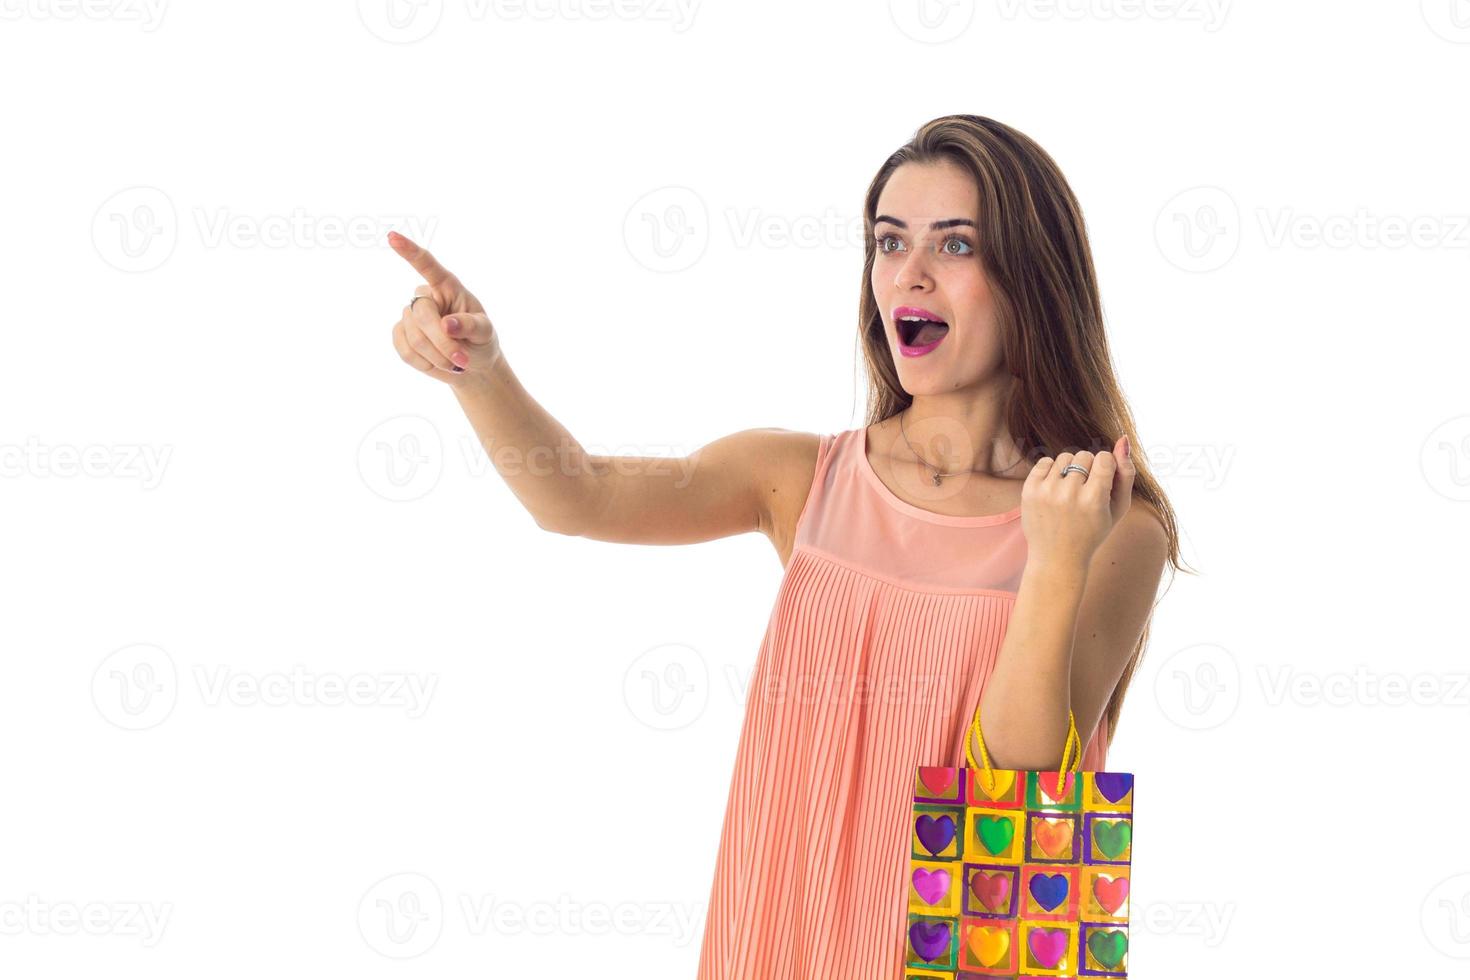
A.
pixel 427 266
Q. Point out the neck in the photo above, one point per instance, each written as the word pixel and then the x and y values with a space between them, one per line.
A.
pixel 951 437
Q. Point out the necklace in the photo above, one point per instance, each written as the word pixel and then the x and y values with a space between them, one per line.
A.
pixel 938 473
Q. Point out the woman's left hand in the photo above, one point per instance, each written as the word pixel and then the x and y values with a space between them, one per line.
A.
pixel 1067 518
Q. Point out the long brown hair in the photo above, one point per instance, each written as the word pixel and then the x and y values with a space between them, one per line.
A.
pixel 1033 243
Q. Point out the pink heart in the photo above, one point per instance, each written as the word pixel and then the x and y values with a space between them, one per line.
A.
pixel 993 890
pixel 1110 893
pixel 1048 946
pixel 1048 782
pixel 931 885
pixel 936 778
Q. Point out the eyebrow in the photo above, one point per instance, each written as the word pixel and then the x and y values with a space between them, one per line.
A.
pixel 934 226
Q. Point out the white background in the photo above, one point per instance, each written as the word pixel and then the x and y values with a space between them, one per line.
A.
pixel 217 469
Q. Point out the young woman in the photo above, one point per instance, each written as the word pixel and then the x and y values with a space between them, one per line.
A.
pixel 989 538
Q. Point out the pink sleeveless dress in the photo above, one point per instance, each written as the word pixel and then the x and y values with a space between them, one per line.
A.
pixel 886 626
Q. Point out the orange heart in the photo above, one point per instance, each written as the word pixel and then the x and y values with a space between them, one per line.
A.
pixel 1001 782
pixel 989 944
pixel 936 779
pixel 1054 836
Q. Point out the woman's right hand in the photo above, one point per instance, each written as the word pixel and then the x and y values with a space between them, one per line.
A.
pixel 446 335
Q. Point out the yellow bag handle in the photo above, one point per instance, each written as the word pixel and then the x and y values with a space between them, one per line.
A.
pixel 1072 750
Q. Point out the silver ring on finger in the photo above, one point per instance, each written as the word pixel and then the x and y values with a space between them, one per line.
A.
pixel 415 300
pixel 1073 466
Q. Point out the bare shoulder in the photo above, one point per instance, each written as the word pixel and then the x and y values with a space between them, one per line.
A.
pixel 1139 544
pixel 1145 524
pixel 784 462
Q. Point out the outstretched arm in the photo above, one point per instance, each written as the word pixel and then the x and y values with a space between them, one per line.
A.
pixel 724 488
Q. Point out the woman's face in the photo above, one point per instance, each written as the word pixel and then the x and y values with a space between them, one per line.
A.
pixel 927 259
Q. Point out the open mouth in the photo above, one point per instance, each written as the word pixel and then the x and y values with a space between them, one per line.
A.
pixel 916 332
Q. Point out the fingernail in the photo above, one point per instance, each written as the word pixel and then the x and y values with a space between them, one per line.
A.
pixel 451 326
pixel 460 357
pixel 1127 447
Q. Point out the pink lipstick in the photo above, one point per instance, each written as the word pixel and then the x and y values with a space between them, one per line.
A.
pixel 919 330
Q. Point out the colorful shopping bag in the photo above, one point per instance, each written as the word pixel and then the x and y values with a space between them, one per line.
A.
pixel 1018 873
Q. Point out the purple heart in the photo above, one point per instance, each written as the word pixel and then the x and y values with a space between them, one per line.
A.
pixel 1113 785
pixel 929 939
pixel 931 885
pixel 935 833
pixel 1049 890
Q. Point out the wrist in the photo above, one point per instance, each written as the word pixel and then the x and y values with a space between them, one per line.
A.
pixel 1058 570
pixel 496 376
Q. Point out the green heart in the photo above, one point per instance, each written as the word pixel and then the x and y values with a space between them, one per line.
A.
pixel 996 833
pixel 1112 836
pixel 1107 947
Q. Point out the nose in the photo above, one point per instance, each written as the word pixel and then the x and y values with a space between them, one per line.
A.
pixel 913 272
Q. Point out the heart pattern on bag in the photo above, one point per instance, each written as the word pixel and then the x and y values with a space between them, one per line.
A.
pixel 1108 947
pixel 1054 837
pixel 937 779
pixel 1113 786
pixel 1048 946
pixel 999 786
pixel 1110 893
pixel 992 890
pixel 1049 891
pixel 931 884
pixel 935 833
pixel 930 940
pixel 1112 836
pixel 1048 783
pixel 989 945
pixel 1019 872
pixel 996 833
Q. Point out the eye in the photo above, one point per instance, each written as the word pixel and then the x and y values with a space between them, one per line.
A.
pixel 958 240
pixel 881 242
